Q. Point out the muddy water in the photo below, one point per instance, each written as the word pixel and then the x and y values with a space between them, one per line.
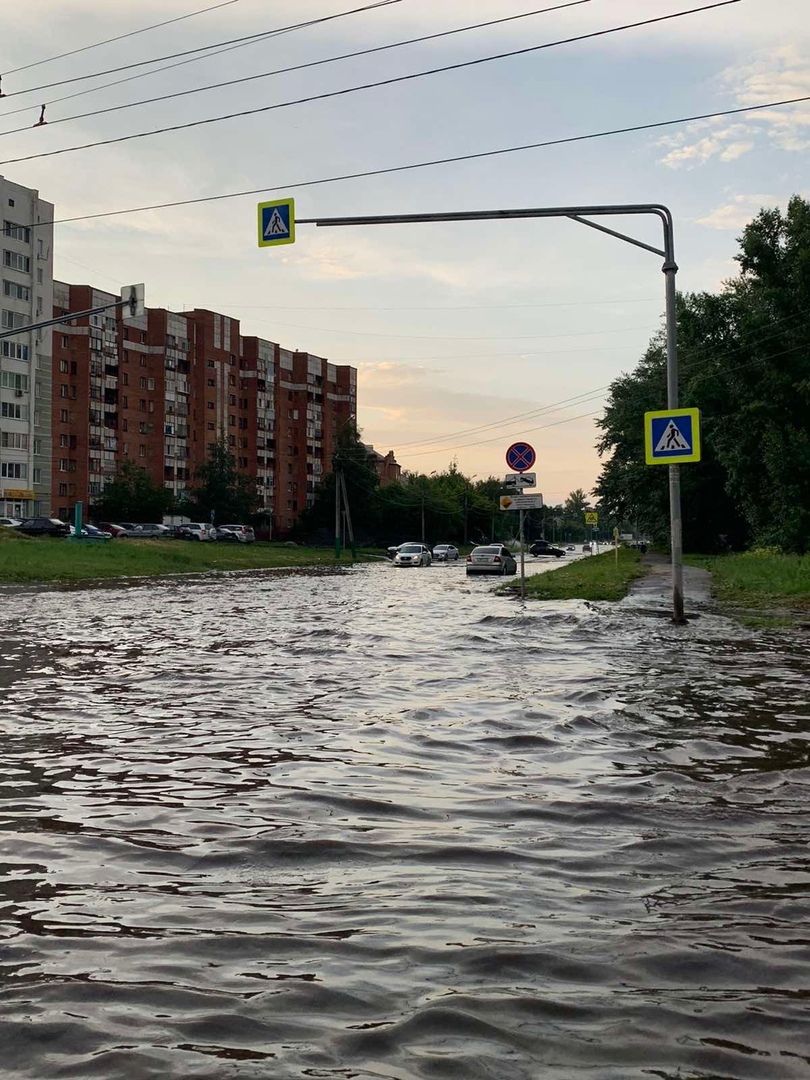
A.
pixel 386 825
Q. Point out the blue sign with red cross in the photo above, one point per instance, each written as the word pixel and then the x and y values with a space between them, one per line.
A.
pixel 520 457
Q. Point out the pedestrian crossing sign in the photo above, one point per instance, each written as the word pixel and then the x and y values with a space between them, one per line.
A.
pixel 276 223
pixel 672 436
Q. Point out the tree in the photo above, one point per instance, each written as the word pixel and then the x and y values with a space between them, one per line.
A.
pixel 745 363
pixel 132 496
pixel 221 490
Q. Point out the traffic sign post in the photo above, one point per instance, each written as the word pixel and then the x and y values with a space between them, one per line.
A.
pixel 519 481
pixel 672 435
pixel 520 456
pixel 521 502
pixel 276 222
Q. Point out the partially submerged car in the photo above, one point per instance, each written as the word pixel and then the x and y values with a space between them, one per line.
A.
pixel 413 555
pixel 491 559
pixel 543 547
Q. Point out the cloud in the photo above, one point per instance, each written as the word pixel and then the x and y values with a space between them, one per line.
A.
pixel 737 213
pixel 778 75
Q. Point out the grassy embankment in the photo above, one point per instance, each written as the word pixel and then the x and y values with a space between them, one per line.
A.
pixel 27 559
pixel 597 577
pixel 772 587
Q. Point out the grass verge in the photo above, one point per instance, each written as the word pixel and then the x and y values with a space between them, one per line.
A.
pixel 773 588
pixel 27 560
pixel 598 577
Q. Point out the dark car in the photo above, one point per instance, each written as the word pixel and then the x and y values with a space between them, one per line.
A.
pixel 543 547
pixel 44 526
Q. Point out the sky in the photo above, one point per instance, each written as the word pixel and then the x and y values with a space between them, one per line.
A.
pixel 454 328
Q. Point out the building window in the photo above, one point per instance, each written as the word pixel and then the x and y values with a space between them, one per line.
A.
pixel 63 416
pixel 14 350
pixel 210 425
pixel 37 476
pixel 17 232
pixel 11 380
pixel 15 291
pixel 14 440
pixel 17 262
pixel 211 382
pixel 63 489
pixel 125 379
pixel 63 464
pixel 63 440
pixel 13 320
pixel 141 450
pixel 37 446
pixel 64 390
pixel 10 411
pixel 209 405
pixel 142 361
pixel 64 367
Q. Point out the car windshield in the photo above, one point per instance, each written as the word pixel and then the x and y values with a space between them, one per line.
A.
pixel 411 549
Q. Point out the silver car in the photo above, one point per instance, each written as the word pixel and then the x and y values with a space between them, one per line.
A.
pixel 491 559
pixel 445 553
pixel 412 555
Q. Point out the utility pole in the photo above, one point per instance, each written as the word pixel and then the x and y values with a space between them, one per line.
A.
pixel 423 517
pixel 337 475
pixel 465 516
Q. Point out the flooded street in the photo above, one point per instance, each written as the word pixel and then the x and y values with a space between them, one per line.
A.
pixel 384 824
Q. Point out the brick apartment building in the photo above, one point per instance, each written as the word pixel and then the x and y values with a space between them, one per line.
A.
pixel 160 390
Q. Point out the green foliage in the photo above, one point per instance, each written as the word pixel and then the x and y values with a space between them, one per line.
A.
pixel 132 496
pixel 763 577
pixel 454 507
pixel 745 362
pixel 221 490
pixel 598 577
pixel 29 559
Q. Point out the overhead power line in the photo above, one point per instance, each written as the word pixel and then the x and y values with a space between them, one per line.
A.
pixel 455 337
pixel 689 361
pixel 412 166
pixel 120 37
pixel 284 70
pixel 246 39
pixel 370 86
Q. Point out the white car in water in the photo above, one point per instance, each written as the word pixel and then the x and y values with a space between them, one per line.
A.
pixel 445 553
pixel 413 555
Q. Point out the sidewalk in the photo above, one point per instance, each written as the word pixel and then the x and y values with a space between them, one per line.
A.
pixel 655 588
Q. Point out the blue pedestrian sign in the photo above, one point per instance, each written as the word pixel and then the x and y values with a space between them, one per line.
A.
pixel 276 223
pixel 672 436
pixel 520 457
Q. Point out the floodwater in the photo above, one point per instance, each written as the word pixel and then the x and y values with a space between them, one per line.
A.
pixel 384 824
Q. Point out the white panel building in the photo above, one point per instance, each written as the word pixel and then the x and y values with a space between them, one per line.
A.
pixel 26 296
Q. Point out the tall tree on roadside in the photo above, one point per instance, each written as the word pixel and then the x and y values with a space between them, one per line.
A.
pixel 132 495
pixel 221 489
pixel 745 362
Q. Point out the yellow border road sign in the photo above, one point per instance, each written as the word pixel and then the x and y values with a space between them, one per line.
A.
pixel 672 436
pixel 277 227
pixel 591 517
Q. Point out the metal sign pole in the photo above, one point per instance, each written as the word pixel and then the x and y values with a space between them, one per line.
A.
pixel 670 270
pixel 522 561
pixel 582 215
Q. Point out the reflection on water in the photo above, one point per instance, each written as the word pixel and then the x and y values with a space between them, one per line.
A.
pixel 383 824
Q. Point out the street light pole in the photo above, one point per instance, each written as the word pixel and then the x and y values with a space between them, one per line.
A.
pixel 582 214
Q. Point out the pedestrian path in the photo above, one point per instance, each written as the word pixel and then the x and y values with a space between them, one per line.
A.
pixel 655 588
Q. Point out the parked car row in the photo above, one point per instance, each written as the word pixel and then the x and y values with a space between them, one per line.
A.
pixel 130 530
pixel 441 553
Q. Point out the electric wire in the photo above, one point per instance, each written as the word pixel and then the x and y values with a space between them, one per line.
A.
pixel 688 361
pixel 412 166
pixel 217 46
pixel 119 37
pixel 344 91
pixel 265 74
